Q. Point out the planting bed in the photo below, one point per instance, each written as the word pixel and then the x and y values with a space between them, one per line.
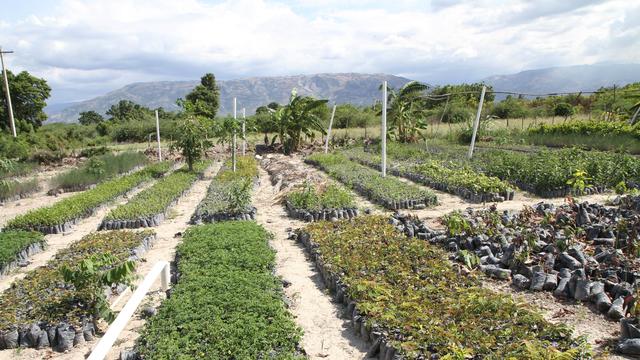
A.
pixel 316 202
pixel 461 181
pixel 42 311
pixel 98 169
pixel 226 303
pixel 15 190
pixel 406 299
pixel 17 246
pixel 387 191
pixel 229 194
pixel 63 214
pixel 587 252
pixel 150 206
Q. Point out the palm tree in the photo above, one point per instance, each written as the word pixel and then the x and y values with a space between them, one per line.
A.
pixel 405 111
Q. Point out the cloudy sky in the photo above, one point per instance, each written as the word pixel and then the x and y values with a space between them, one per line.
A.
pixel 86 48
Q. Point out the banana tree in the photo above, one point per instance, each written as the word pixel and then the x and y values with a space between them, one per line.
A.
pixel 299 117
pixel 406 113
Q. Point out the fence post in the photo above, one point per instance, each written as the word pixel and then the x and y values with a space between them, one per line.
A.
pixel 383 131
pixel 326 142
pixel 476 123
pixel 158 136
pixel 233 145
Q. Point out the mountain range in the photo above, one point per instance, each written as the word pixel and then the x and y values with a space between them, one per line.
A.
pixel 354 88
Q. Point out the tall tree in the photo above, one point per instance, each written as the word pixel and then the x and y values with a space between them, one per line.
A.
pixel 90 117
pixel 28 97
pixel 126 110
pixel 205 97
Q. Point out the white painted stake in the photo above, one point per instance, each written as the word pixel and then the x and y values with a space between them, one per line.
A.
pixel 7 93
pixel 158 136
pixel 476 123
pixel 235 118
pixel 244 132
pixel 326 143
pixel 104 346
pixel 383 132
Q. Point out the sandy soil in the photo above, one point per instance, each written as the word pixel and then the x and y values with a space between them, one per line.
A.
pixel 326 335
pixel 163 250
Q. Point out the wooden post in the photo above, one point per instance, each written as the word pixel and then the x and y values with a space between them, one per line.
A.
pixel 476 123
pixel 244 132
pixel 383 131
pixel 326 142
pixel 158 136
pixel 233 143
pixel 7 93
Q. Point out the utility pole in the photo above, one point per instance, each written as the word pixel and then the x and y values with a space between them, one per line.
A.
pixel 326 142
pixel 244 132
pixel 6 90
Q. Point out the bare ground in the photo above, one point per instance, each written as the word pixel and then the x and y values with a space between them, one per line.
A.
pixel 326 334
pixel 163 250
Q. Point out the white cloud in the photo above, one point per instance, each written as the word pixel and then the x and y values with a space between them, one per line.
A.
pixel 85 48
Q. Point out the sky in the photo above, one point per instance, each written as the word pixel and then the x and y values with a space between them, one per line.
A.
pixel 87 48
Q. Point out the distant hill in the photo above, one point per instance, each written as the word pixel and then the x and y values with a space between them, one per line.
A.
pixel 359 89
pixel 566 79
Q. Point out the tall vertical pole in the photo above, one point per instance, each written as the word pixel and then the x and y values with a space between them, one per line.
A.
pixel 244 132
pixel 158 136
pixel 233 145
pixel 383 131
pixel 326 142
pixel 7 93
pixel 476 123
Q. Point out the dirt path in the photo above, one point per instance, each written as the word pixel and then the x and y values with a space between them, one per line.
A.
pixel 163 250
pixel 56 242
pixel 326 335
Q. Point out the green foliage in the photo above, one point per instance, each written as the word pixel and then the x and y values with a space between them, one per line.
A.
pixel 126 110
pixel 92 274
pixel 41 297
pixel 456 113
pixel 310 197
pixel 14 242
pixel 563 109
pixel 90 117
pixel 230 192
pixel 579 181
pixel 406 118
pixel 156 199
pixel 11 189
pixel 348 115
pixel 302 116
pixel 205 97
pixel 83 204
pixel 408 290
pixel 192 139
pixel 227 303
pixel 98 169
pixel 386 191
pixel 456 223
pixel 607 129
pixel 28 98
pixel 510 108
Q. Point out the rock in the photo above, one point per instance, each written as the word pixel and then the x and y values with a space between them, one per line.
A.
pixel 569 261
pixel 538 280
pixel 583 290
pixel 562 290
pixel 551 282
pixel 629 347
pixel 616 311
pixel 148 311
pixel 521 282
